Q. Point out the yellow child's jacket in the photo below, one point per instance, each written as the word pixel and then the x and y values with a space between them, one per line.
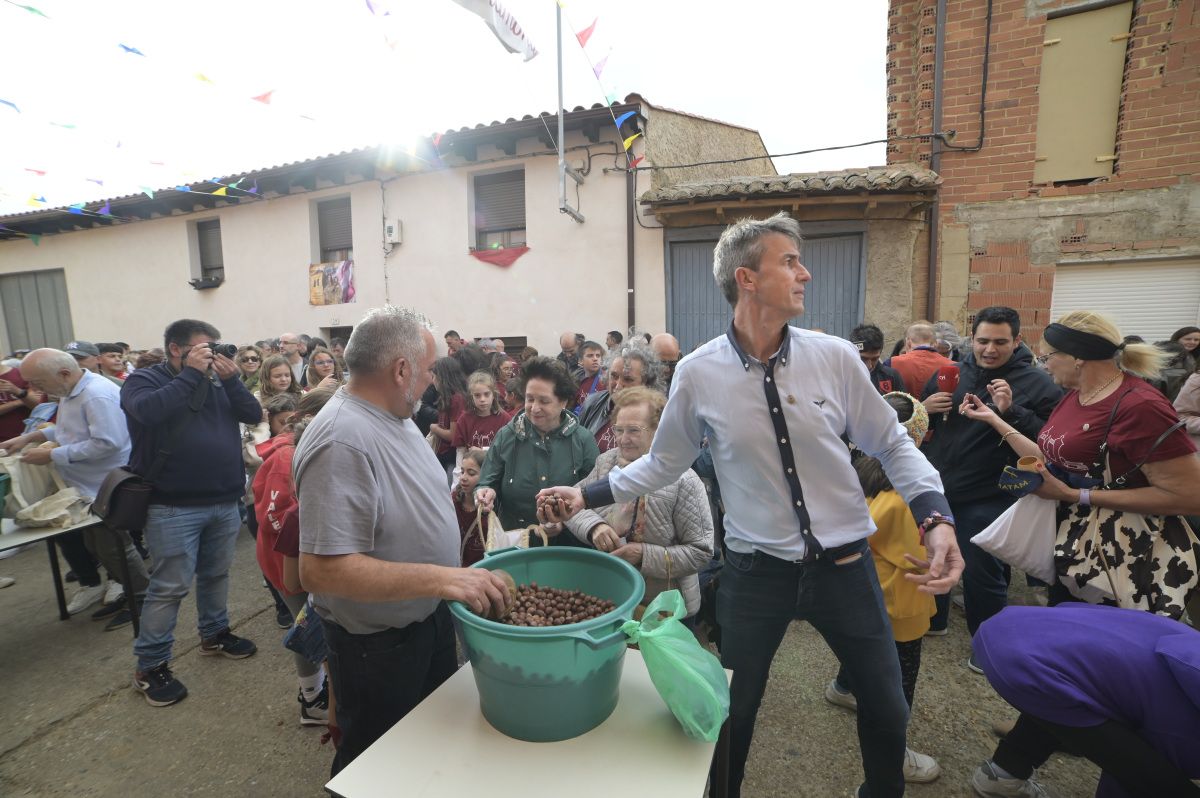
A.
pixel 897 534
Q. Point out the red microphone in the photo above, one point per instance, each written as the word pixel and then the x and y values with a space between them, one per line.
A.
pixel 947 381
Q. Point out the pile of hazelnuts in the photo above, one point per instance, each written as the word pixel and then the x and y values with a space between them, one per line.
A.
pixel 548 606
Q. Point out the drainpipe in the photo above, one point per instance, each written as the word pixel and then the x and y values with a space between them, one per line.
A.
pixel 631 197
pixel 935 157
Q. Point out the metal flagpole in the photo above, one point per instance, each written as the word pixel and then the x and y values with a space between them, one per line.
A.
pixel 563 172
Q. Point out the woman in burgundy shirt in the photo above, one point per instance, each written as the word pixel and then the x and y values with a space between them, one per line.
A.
pixel 16 400
pixel 1084 353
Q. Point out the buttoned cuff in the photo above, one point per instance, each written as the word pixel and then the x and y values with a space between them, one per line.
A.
pixel 598 494
pixel 60 456
pixel 928 503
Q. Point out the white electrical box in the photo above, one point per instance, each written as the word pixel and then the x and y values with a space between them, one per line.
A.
pixel 392 233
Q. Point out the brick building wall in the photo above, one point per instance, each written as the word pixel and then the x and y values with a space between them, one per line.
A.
pixel 1001 231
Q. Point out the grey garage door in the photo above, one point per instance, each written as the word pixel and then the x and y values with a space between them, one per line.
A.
pixel 36 312
pixel 833 300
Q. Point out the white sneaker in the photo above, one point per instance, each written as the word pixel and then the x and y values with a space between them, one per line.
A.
pixel 986 782
pixel 114 593
pixel 839 699
pixel 84 597
pixel 7 581
pixel 919 768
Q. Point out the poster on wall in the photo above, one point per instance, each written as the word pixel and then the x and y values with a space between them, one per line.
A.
pixel 331 283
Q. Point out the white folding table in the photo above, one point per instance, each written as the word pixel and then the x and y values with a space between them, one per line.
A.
pixel 13 536
pixel 445 749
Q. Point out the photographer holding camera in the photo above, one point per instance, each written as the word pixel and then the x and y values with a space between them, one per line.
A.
pixel 186 411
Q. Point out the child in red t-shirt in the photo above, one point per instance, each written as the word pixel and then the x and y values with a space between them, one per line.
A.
pixel 463 496
pixel 476 428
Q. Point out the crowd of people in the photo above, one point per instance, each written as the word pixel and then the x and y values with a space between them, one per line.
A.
pixel 774 474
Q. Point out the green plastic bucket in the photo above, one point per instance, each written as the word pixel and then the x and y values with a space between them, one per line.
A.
pixel 556 682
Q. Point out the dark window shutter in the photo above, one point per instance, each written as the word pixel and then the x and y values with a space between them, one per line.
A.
pixel 333 221
pixel 209 237
pixel 500 201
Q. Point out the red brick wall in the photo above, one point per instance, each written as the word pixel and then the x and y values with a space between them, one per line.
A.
pixel 1158 136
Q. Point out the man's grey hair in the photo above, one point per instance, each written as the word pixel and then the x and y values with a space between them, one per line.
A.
pixel 651 367
pixel 742 245
pixel 384 336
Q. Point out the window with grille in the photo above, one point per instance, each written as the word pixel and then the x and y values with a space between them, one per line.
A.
pixel 500 210
pixel 212 262
pixel 334 230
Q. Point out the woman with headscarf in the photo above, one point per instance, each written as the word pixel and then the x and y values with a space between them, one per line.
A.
pixel 1111 420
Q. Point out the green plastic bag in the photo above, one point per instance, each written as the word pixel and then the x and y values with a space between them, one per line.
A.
pixel 689 678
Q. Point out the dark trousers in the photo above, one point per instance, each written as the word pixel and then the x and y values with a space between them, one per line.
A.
pixel 760 595
pixel 1126 759
pixel 379 678
pixel 985 579
pixel 908 654
pixel 81 561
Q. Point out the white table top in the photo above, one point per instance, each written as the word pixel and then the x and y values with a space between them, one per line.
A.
pixel 445 748
pixel 12 535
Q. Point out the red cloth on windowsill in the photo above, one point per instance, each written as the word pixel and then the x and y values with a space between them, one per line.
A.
pixel 500 257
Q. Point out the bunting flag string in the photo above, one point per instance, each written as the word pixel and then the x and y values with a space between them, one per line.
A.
pixel 610 98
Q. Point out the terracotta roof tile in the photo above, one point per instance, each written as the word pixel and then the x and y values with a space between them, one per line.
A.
pixel 896 177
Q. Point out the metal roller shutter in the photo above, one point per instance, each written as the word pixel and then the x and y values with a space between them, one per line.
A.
pixel 500 201
pixel 208 235
pixel 1150 299
pixel 333 221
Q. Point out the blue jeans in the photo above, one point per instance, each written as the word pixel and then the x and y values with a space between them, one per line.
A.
pixel 187 543
pixel 760 595
pixel 985 579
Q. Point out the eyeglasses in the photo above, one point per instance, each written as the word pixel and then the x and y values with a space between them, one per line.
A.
pixel 322 362
pixel 1043 358
pixel 668 364
pixel 251 359
pixel 633 430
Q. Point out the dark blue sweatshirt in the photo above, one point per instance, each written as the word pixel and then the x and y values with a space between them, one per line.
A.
pixel 206 465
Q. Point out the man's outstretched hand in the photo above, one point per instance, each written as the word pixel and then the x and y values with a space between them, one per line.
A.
pixel 945 564
pixel 556 505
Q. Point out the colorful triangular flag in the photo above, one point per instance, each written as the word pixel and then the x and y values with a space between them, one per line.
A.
pixel 620 120
pixel 32 10
pixel 183 188
pixel 221 192
pixel 131 50
pixel 77 209
pixel 38 172
pixel 586 33
pixel 149 192
pixel 629 141
pixel 105 209
pixel 11 105
pixel 94 180
pixel 36 201
pixel 200 76
pixel 34 237
pixel 598 67
pixel 633 164
pixel 265 97
pixel 254 189
pixel 67 125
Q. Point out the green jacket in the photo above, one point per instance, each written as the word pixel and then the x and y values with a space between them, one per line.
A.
pixel 521 461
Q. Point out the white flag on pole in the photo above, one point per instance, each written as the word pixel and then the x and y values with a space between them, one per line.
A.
pixel 503 24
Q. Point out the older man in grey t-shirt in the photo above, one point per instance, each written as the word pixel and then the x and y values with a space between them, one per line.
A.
pixel 379 541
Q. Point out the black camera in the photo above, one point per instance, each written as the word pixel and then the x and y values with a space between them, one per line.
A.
pixel 228 350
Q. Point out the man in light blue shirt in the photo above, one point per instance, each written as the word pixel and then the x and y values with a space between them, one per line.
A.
pixel 92 439
pixel 774 402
